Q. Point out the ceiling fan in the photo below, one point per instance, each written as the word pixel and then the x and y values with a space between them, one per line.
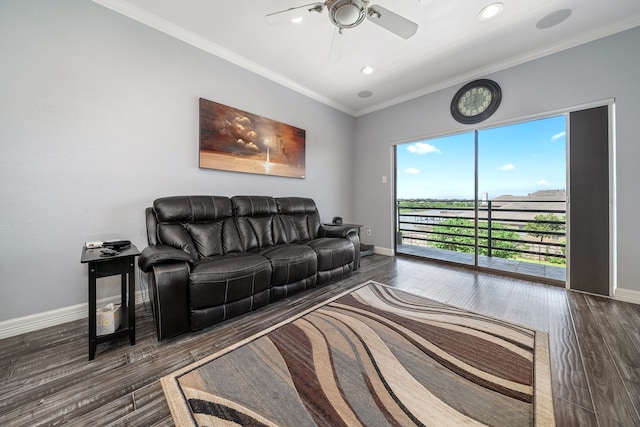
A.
pixel 345 14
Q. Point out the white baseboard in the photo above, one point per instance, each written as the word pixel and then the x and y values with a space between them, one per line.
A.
pixel 34 322
pixel 383 251
pixel 627 295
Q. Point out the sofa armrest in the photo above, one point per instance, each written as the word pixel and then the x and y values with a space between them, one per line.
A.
pixel 348 232
pixel 337 230
pixel 161 254
pixel 169 294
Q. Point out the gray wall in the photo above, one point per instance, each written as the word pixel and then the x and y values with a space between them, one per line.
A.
pixel 98 117
pixel 607 68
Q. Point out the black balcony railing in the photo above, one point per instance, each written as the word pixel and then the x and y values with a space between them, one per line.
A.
pixel 529 229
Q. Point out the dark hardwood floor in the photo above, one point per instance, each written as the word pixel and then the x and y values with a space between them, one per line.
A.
pixel 46 378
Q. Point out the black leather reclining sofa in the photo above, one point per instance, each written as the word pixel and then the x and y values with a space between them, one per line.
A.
pixel 212 257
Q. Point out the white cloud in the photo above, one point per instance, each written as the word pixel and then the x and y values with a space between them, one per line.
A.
pixel 412 171
pixel 542 182
pixel 422 148
pixel 559 135
pixel 507 167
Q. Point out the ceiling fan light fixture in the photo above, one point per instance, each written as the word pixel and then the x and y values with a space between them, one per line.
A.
pixel 490 11
pixel 297 19
pixel 347 13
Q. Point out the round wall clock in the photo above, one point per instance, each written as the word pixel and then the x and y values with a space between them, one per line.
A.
pixel 476 101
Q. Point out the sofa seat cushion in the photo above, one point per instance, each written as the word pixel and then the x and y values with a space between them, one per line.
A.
pixel 332 252
pixel 227 278
pixel 293 268
pixel 327 276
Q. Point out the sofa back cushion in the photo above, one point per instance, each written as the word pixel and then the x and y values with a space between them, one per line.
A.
pixel 299 217
pixel 258 222
pixel 202 226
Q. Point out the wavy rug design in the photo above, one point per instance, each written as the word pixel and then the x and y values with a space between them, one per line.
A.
pixel 373 356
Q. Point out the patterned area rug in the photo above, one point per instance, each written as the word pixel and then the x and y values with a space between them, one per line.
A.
pixel 373 356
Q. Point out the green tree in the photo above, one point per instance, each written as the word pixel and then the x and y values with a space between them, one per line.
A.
pixel 458 235
pixel 544 224
pixel 539 229
pixel 434 204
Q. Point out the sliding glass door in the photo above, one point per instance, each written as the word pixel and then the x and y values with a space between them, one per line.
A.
pixel 435 191
pixel 522 179
pixel 492 198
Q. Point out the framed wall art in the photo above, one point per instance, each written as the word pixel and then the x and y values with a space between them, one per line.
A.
pixel 234 140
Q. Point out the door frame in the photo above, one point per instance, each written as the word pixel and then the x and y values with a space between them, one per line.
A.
pixel 610 102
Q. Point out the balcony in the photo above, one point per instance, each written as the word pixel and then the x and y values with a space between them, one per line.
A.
pixel 520 235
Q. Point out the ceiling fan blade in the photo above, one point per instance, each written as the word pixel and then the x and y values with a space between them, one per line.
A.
pixel 392 21
pixel 337 45
pixel 287 16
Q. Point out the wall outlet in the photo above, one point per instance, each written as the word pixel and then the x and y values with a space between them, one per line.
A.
pixel 368 232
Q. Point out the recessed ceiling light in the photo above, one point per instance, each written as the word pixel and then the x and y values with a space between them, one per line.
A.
pixel 297 19
pixel 365 94
pixel 490 11
pixel 367 69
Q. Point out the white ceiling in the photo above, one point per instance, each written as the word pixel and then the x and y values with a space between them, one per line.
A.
pixel 452 45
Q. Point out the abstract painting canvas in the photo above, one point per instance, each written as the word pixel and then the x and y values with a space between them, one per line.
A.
pixel 234 140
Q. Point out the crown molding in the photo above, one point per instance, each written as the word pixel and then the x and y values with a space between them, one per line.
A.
pixel 506 64
pixel 124 8
pixel 173 30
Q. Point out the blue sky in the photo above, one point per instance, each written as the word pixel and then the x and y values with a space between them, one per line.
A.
pixel 516 160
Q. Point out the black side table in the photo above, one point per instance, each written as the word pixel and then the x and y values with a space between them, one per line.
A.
pixel 104 266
